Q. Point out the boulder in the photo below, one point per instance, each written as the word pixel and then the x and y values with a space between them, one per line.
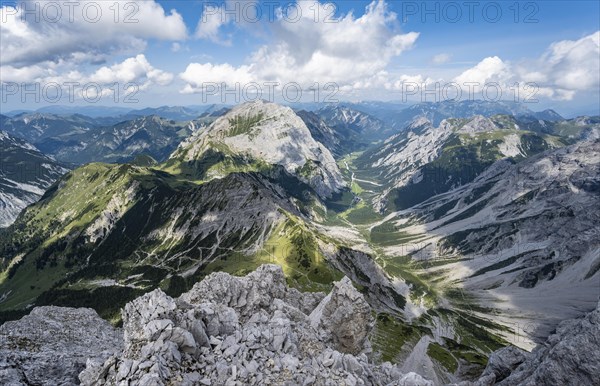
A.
pixel 52 345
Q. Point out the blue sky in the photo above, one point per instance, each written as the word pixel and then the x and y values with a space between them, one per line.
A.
pixel 175 50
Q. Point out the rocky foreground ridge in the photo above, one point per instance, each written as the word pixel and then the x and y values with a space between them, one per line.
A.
pixel 226 330
pixel 253 330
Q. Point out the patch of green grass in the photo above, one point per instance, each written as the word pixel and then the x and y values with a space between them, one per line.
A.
pixel 307 170
pixel 442 356
pixel 295 249
pixel 144 160
pixel 341 201
pixel 356 189
pixel 474 332
pixel 243 124
pixel 401 267
pixel 466 353
pixel 362 214
pixel 389 234
pixel 391 334
pixel 217 161
pixel 28 283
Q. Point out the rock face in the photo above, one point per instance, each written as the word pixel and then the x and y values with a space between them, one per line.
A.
pixel 267 134
pixel 345 318
pixel 528 233
pixel 569 357
pixel 500 364
pixel 25 174
pixel 247 331
pixel 51 345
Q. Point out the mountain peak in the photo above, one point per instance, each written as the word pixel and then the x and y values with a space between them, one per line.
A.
pixel 418 121
pixel 478 124
pixel 266 132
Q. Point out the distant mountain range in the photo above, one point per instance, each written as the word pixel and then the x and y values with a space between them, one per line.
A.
pixel 390 112
pixel 122 142
pixel 438 111
pixel 77 139
pixel 425 160
pixel 179 113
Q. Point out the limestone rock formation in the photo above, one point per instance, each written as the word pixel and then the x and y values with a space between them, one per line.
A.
pixel 569 357
pixel 247 331
pixel 268 133
pixel 51 345
pixel 344 317
pixel 254 330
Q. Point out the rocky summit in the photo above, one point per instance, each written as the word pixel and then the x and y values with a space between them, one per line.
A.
pixel 254 330
pixel 226 330
pixel 246 331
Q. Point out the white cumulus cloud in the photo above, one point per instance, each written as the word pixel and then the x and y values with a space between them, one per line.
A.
pixel 347 50
pixel 573 64
pixel 132 70
pixel 116 81
pixel 565 68
pixel 197 75
pixel 215 17
pixel 83 32
pixel 490 69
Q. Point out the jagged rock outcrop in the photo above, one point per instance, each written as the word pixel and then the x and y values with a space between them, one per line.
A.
pixel 344 317
pixel 247 331
pixel 51 345
pixel 570 356
pixel 500 365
